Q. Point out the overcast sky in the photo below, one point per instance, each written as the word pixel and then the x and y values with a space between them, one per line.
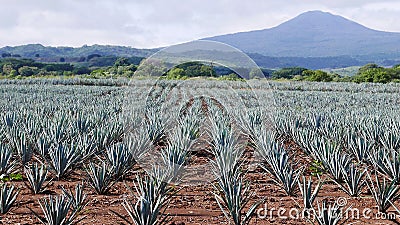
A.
pixel 155 23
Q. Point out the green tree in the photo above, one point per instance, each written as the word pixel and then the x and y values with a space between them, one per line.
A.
pixel 27 71
pixel 81 70
pixel 13 73
pixel 381 77
pixel 231 76
pixel 176 73
pixel 122 61
pixel 319 76
pixel 197 69
pixel 7 68
pixel 307 73
pixel 367 67
pixel 151 67
pixel 376 75
pixel 288 73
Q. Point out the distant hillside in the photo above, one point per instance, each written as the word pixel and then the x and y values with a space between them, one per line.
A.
pixel 306 62
pixel 89 56
pixel 317 34
pixel 40 51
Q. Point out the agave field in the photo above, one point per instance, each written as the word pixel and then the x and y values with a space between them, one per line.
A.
pixel 198 152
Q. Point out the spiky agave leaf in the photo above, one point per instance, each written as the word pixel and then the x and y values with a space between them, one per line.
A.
pixel 386 162
pixel 57 211
pixel 308 194
pixel 120 159
pixel 7 165
pixel 359 147
pixel 383 192
pixel 233 196
pixel 353 181
pixel 8 196
pixel 138 143
pixel 77 198
pixel 63 159
pixel 329 214
pixel 36 176
pixel 276 162
pixel 100 177
pixel 152 199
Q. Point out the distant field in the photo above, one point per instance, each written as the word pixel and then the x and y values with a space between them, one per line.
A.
pixel 348 71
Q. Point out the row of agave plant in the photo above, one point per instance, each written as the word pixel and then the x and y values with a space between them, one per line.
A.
pixel 346 149
pixel 232 190
pixel 48 142
pixel 107 150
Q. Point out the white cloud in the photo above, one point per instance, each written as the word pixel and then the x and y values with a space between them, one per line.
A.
pixel 154 23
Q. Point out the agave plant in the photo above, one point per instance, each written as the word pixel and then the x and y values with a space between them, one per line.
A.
pixel 10 119
pixel 321 148
pixel 359 147
pixel 43 147
pixel 152 196
pixel 138 144
pixel 87 147
pixel 36 177
pixel 82 123
pixel 232 192
pixel 333 132
pixel 228 160
pixel 101 137
pixel 57 130
pixel 353 181
pixel 276 162
pixel 115 131
pixel 232 196
pixel 308 194
pixel 335 164
pixel 221 131
pixel 22 146
pixel 78 199
pixel 384 193
pixel 374 131
pixel 252 124
pixel 63 159
pixel 305 137
pixel 120 159
pixel 228 154
pixel 329 214
pixel 390 140
pixel 265 142
pixel 155 125
pixel 100 178
pixel 189 126
pixel 8 196
pixel 175 157
pixel 57 211
pixel 7 165
pixel 387 162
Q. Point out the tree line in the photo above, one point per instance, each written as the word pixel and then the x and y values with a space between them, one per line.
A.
pixel 371 73
pixel 121 66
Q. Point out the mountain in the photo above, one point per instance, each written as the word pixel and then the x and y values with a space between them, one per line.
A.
pixel 316 34
pixel 313 40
